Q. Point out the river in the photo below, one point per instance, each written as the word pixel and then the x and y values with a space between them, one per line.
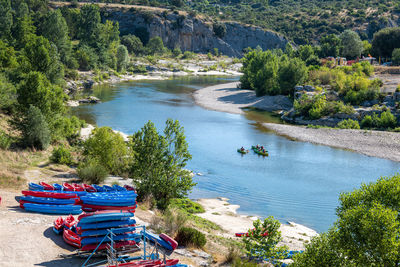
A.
pixel 298 182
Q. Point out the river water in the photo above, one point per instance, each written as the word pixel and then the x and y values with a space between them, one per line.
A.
pixel 298 182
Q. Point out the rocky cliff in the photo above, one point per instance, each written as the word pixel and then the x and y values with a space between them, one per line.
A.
pixel 192 34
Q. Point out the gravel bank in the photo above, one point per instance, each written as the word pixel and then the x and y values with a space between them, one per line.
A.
pixel 227 98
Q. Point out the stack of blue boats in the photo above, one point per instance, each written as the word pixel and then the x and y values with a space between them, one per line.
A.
pixel 57 199
pixel 91 229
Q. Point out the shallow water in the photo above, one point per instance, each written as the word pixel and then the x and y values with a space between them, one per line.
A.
pixel 298 182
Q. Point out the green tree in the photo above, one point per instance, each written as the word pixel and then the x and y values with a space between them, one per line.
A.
pixel 262 240
pixel 133 44
pixel 322 251
pixel 155 46
pixel 369 223
pixel 43 57
pixel 55 29
pixel 23 31
pixel 158 169
pixel 73 17
pixel 385 41
pixel 89 25
pixel 36 90
pixel 352 45
pixel 291 72
pixel 122 57
pixel 305 52
pixel 35 130
pixel 396 57
pixel 6 19
pixel 108 149
pixel 8 57
pixel 86 57
pixel 8 94
pixel 330 46
pixel 367 48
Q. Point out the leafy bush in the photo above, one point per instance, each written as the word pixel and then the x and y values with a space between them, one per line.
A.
pixel 396 57
pixel 133 44
pixel 367 122
pixel 187 205
pixel 348 124
pixel 5 140
pixel 91 171
pixel 385 120
pixel 257 245
pixel 189 236
pixel 188 55
pixel 66 127
pixel 109 149
pixel 35 129
pixel 61 155
pixel 176 52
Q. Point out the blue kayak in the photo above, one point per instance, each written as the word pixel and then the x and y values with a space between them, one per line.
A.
pixel 108 188
pixel 112 216
pixel 106 203
pixel 35 187
pixel 156 239
pixel 44 200
pixel 98 188
pixel 119 188
pixel 53 209
pixel 95 240
pixel 58 187
pixel 107 224
pixel 105 231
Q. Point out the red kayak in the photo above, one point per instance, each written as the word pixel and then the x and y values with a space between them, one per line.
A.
pixel 70 221
pixel 97 207
pixel 78 187
pixel 118 244
pixel 71 238
pixel 149 263
pixel 48 194
pixel 47 186
pixel 89 188
pixel 129 188
pixel 68 187
pixel 169 240
pixel 247 234
pixel 58 223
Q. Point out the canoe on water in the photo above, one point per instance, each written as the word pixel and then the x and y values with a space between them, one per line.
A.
pixel 265 154
pixel 242 151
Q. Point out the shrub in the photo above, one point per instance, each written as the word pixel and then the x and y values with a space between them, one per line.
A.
pixel 92 172
pixel 190 236
pixel 176 52
pixel 396 57
pixel 387 120
pixel 188 55
pixel 71 74
pixel 348 124
pixel 187 205
pixel 109 149
pixel 35 129
pixel 367 122
pixel 5 140
pixel 61 155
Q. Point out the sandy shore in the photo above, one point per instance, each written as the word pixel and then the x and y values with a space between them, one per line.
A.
pixel 224 214
pixel 371 143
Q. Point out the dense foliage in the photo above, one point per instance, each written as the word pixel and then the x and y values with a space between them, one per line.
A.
pixel 262 240
pixel 269 73
pixel 189 236
pixel 366 231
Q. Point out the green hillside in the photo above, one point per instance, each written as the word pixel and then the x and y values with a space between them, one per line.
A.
pixel 302 21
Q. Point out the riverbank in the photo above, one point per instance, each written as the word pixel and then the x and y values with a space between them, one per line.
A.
pixel 227 98
pixel 224 214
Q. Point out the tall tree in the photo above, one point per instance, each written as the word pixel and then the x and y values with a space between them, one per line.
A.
pixel 330 46
pixel 55 29
pixel 6 19
pixel 122 57
pixel 36 90
pixel 385 41
pixel 352 45
pixel 89 25
pixel 159 166
pixel 44 57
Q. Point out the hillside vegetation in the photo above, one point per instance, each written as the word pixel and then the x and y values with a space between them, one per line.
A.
pixel 301 21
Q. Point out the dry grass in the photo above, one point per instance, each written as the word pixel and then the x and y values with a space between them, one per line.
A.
pixel 9 180
pixel 387 69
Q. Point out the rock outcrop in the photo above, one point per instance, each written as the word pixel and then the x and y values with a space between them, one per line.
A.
pixel 193 34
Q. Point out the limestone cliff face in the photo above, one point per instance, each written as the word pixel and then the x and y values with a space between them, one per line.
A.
pixel 194 34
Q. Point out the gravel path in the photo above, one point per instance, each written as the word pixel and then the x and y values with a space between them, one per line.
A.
pixel 227 98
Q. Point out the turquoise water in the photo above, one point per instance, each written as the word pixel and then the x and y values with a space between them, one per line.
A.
pixel 299 182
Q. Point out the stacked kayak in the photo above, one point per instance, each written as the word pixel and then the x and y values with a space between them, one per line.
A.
pixel 111 200
pixel 79 189
pixel 50 202
pixel 90 229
